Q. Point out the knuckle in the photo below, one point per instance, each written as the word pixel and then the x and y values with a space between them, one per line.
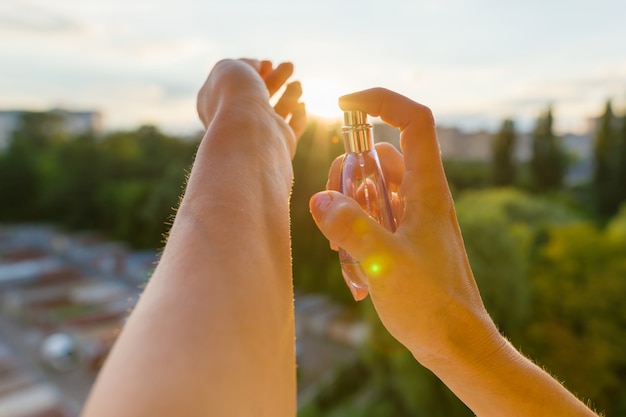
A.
pixel 424 115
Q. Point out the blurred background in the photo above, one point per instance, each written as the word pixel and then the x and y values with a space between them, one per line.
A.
pixel 98 130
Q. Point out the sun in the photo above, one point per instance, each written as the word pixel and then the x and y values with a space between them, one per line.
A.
pixel 320 97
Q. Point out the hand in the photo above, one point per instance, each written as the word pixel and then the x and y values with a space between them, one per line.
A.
pixel 246 136
pixel 423 288
pixel 248 85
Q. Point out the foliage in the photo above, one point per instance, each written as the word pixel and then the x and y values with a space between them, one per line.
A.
pixel 621 161
pixel 503 155
pixel 608 164
pixel 124 184
pixel 548 162
pixel 465 175
pixel 579 317
pixel 501 229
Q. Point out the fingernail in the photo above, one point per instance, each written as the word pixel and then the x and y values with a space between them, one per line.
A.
pixel 360 294
pixel 357 293
pixel 319 204
pixel 341 101
pixel 344 101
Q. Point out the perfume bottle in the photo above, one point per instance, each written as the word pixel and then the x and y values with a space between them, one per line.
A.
pixel 362 180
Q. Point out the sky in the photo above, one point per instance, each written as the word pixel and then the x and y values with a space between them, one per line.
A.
pixel 473 62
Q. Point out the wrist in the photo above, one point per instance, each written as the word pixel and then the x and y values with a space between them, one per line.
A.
pixel 470 340
pixel 247 128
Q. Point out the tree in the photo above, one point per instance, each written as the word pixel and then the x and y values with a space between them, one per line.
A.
pixel 124 184
pixel 548 160
pixel 27 163
pixel 503 148
pixel 579 317
pixel 68 190
pixel 621 161
pixel 606 155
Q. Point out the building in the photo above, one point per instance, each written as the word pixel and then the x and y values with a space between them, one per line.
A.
pixel 458 145
pixel 74 122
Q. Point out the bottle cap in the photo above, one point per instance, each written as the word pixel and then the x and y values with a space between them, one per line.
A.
pixel 354 118
pixel 357 133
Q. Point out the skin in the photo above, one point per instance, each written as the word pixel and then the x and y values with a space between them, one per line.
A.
pixel 213 333
pixel 423 288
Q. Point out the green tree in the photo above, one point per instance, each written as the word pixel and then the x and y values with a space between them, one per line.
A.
pixel 621 161
pixel 68 193
pixel 40 130
pixel 579 318
pixel 503 158
pixel 502 229
pixel 143 174
pixel 125 184
pixel 607 155
pixel 20 185
pixel 26 164
pixel 548 162
pixel 467 175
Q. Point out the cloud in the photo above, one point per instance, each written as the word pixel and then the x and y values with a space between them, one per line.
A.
pixel 27 18
pixel 591 88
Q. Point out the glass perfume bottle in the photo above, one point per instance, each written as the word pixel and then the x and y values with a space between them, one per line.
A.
pixel 362 179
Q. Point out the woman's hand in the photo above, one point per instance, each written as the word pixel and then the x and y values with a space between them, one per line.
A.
pixel 419 277
pixel 245 136
pixel 249 84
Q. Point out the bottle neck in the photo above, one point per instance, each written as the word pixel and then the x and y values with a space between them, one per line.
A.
pixel 358 138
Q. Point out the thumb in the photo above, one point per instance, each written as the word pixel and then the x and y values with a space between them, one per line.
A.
pixel 347 225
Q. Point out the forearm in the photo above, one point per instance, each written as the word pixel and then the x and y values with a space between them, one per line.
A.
pixel 492 378
pixel 218 311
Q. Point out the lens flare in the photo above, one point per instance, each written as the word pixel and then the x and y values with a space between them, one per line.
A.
pixel 377 265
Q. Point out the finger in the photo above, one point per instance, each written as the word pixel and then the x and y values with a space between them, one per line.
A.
pixel 345 223
pixel 424 187
pixel 392 163
pixel 287 102
pixel 418 137
pixel 277 77
pixel 334 174
pixel 265 68
pixel 334 177
pixel 357 293
pixel 298 119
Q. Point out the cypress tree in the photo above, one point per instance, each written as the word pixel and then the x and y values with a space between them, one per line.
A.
pixel 503 148
pixel 548 160
pixel 621 162
pixel 606 163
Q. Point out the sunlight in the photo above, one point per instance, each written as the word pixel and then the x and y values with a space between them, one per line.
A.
pixel 320 97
